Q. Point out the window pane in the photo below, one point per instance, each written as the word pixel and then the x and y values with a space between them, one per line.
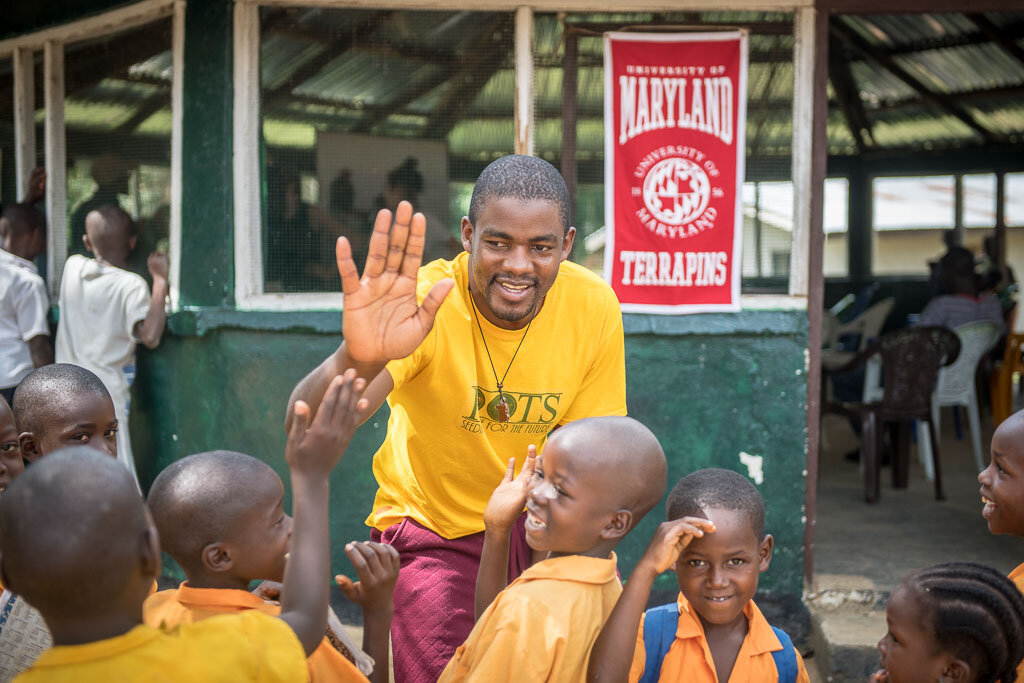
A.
pixel 768 134
pixel 836 214
pixel 117 115
pixel 364 108
pixel 1014 199
pixel 980 200
pixel 910 215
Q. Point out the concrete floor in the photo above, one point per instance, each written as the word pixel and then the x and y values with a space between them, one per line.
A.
pixel 863 551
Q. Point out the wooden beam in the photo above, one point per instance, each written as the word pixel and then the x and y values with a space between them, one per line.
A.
pixel 914 6
pixel 771 28
pixel 944 102
pixel 467 83
pixel 24 91
pixel 848 96
pixel 997 35
pixel 569 104
pixel 56 163
pixel 335 46
pixel 417 91
pixel 523 100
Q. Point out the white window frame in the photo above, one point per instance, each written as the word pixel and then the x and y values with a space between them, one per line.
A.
pixel 249 294
pixel 51 42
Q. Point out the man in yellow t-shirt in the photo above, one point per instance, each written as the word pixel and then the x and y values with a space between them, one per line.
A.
pixel 478 358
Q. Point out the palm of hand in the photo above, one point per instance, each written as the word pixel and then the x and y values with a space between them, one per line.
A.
pixel 506 504
pixel 380 321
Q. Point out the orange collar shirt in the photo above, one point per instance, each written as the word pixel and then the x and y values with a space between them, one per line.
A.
pixel 186 605
pixel 689 658
pixel 1017 576
pixel 446 448
pixel 542 626
pixel 250 646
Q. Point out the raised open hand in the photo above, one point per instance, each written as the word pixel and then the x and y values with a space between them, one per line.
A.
pixel 671 538
pixel 382 319
pixel 315 447
pixel 377 566
pixel 508 500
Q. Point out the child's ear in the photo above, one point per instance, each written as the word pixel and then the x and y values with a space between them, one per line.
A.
pixel 149 552
pixel 29 445
pixel 619 525
pixel 132 241
pixel 764 553
pixel 88 244
pixel 957 671
pixel 216 558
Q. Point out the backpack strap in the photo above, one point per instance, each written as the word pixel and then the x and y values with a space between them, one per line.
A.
pixel 785 659
pixel 660 624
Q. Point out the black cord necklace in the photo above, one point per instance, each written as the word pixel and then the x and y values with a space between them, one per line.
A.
pixel 503 413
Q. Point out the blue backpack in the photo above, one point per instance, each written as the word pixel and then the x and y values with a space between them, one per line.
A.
pixel 660 631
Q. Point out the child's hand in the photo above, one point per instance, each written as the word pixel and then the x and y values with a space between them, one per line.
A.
pixel 670 539
pixel 36 189
pixel 315 448
pixel 157 264
pixel 880 676
pixel 268 590
pixel 377 567
pixel 509 499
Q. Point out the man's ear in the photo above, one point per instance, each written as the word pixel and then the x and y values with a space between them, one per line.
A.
pixel 764 553
pixel 567 242
pixel 29 445
pixel 467 234
pixel 619 525
pixel 132 241
pixel 216 557
pixel 88 244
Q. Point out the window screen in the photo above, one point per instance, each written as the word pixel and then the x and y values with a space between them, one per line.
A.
pixel 8 180
pixel 363 108
pixel 117 116
pixel 835 222
pixel 769 121
pixel 979 200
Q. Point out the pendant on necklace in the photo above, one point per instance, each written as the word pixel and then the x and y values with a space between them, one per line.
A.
pixel 502 409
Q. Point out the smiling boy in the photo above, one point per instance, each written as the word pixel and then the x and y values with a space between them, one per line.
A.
pixel 63 405
pixel 714 631
pixel 11 464
pixel 478 357
pixel 594 482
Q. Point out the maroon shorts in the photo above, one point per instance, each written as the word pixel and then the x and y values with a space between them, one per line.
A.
pixel 434 594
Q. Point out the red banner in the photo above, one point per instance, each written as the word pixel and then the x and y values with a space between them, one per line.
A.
pixel 674 121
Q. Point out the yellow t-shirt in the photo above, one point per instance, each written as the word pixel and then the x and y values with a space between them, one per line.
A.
pixel 445 449
pixel 542 626
pixel 250 646
pixel 1017 576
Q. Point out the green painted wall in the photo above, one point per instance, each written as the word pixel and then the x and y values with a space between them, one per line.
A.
pixel 709 386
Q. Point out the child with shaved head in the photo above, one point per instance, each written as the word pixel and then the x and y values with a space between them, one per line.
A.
pixel 76 518
pixel 595 480
pixel 105 310
pixel 220 516
pixel 713 632
pixel 63 405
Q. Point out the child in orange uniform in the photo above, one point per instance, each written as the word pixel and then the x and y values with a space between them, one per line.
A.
pixel 220 517
pixel 595 481
pixel 1002 488
pixel 76 518
pixel 957 622
pixel 714 631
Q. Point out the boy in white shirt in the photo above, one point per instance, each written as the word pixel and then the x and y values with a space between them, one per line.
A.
pixel 105 310
pixel 24 302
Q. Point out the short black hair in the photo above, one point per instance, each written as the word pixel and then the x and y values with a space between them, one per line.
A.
pixel 524 178
pixel 45 391
pixel 200 499
pixel 407 176
pixel 20 218
pixel 716 488
pixel 975 614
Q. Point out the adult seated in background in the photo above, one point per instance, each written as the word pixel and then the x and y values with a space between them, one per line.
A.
pixel 995 278
pixel 954 252
pixel 960 302
pixel 24 302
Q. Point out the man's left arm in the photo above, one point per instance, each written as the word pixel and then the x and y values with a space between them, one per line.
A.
pixel 603 389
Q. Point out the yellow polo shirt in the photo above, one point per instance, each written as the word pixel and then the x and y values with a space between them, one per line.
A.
pixel 542 626
pixel 1017 576
pixel 250 646
pixel 445 449
pixel 187 605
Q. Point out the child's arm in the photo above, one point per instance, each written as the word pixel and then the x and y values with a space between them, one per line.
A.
pixel 377 567
pixel 382 320
pixel 313 449
pixel 500 515
pixel 612 653
pixel 149 330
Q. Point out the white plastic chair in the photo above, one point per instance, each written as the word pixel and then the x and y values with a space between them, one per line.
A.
pixel 956 387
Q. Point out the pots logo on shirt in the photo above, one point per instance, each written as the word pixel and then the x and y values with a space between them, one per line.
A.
pixel 529 413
